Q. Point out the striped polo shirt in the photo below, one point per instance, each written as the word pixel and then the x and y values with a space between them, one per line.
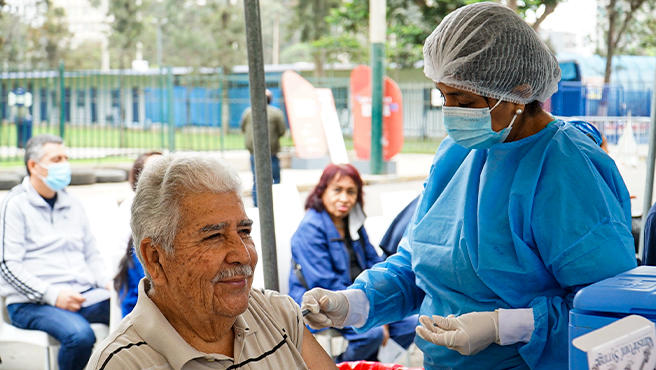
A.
pixel 268 335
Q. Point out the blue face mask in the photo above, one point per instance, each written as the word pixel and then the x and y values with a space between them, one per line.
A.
pixel 472 127
pixel 59 175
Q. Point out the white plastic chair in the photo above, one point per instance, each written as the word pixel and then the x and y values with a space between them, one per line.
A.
pixel 50 345
pixel 115 312
pixel 332 342
pixel 287 213
pixel 12 334
pixel 102 212
pixel 393 202
pixel 258 275
pixel 376 227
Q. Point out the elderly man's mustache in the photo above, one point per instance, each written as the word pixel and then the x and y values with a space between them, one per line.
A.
pixel 241 270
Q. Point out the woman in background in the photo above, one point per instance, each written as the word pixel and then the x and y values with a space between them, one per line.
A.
pixel 130 270
pixel 331 248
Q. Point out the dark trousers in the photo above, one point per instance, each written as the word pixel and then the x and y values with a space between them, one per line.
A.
pixel 275 171
pixel 71 329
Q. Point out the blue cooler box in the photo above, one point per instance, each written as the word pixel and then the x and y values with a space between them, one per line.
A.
pixel 597 305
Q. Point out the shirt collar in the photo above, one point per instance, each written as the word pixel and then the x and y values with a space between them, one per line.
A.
pixel 63 198
pixel 153 327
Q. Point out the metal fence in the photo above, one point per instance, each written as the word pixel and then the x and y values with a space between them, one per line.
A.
pixel 122 113
pixel 613 127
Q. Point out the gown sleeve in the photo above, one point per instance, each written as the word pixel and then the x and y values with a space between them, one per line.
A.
pixel 391 289
pixel 391 285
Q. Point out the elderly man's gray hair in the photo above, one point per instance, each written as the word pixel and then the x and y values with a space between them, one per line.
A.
pixel 34 147
pixel 162 186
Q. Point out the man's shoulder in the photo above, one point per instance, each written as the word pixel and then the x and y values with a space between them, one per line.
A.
pixel 280 307
pixel 16 198
pixel 264 297
pixel 125 349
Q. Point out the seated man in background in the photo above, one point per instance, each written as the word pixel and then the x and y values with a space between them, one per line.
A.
pixel 53 277
pixel 196 308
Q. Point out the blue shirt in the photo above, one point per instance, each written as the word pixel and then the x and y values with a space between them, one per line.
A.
pixel 128 295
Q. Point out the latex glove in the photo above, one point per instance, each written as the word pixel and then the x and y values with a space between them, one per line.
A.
pixel 327 308
pixel 468 334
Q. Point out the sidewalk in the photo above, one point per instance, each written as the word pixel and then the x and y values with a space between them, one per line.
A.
pixel 410 167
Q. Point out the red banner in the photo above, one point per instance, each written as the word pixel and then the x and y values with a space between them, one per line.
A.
pixel 392 114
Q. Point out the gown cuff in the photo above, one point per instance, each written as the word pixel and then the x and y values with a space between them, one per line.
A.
pixel 358 308
pixel 515 325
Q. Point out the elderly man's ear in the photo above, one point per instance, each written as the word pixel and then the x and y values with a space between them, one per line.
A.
pixel 152 255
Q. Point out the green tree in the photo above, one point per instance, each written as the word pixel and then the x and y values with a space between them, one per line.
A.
pixel 127 26
pixel 310 21
pixel 193 35
pixel 51 40
pixel 35 45
pixel 87 55
pixel 623 22
pixel 12 30
pixel 2 4
pixel 532 6
pixel 409 22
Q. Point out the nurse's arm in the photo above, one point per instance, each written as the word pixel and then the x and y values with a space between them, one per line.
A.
pixel 390 289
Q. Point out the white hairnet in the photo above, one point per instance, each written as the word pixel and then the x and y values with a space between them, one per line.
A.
pixel 487 49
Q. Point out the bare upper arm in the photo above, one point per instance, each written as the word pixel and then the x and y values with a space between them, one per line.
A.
pixel 314 355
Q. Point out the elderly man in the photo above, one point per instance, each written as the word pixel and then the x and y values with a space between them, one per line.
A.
pixel 196 308
pixel 53 277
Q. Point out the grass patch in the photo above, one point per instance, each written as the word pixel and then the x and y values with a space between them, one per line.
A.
pixel 108 138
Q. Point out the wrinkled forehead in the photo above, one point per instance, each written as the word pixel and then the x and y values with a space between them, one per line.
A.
pixel 200 210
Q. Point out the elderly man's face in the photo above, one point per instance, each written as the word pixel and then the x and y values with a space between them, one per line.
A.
pixel 210 271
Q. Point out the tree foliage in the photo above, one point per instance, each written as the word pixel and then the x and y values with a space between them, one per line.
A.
pixel 127 26
pixel 35 45
pixel 2 4
pixel 624 23
pixel 409 22
pixel 193 35
pixel 532 7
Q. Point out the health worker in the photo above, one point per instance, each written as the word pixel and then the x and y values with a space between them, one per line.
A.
pixel 520 211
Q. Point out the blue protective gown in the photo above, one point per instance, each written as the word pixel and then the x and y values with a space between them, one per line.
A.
pixel 522 224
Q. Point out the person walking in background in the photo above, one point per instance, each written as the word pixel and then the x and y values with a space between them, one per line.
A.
pixel 331 248
pixel 53 277
pixel 130 271
pixel 277 130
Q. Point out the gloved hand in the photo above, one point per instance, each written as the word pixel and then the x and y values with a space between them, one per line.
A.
pixel 468 334
pixel 327 308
